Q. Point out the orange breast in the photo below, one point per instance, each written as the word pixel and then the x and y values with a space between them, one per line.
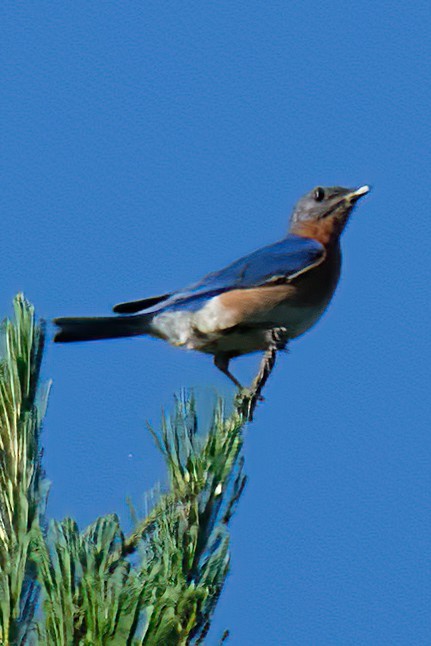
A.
pixel 326 231
pixel 311 290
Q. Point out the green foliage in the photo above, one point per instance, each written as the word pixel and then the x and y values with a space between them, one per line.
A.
pixel 158 585
pixel 185 548
pixel 22 489
pixel 92 593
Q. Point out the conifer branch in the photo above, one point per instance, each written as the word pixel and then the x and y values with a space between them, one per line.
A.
pixel 23 490
pixel 93 592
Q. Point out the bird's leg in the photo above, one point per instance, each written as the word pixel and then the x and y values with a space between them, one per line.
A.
pixel 221 361
pixel 277 342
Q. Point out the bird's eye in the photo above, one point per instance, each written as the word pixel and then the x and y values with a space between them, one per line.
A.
pixel 319 194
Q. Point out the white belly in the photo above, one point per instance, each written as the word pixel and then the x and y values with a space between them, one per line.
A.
pixel 207 329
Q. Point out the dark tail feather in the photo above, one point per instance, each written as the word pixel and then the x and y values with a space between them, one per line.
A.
pixel 104 327
pixel 131 307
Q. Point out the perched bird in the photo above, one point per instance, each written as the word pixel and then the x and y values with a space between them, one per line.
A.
pixel 231 312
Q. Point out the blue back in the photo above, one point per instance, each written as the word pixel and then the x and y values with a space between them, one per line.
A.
pixel 279 260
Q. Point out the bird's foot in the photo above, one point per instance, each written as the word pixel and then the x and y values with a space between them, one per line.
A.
pixel 245 401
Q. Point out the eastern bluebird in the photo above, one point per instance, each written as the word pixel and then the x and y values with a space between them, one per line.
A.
pixel 231 312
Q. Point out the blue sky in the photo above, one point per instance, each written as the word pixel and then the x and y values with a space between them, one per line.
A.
pixel 144 144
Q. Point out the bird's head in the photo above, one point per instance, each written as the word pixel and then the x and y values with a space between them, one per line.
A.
pixel 325 208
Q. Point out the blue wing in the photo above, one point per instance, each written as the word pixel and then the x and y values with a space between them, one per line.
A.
pixel 282 260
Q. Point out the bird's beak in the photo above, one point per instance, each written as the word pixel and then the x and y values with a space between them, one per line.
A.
pixel 359 192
